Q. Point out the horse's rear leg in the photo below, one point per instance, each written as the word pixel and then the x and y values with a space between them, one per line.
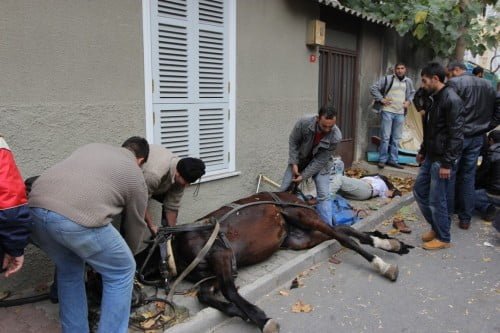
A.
pixel 206 296
pixel 309 219
pixel 298 239
pixel 220 260
pixel 377 240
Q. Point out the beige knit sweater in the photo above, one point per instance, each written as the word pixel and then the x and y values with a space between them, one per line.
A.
pixel 94 184
pixel 159 173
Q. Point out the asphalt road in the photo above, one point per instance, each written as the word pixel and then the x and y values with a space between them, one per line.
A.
pixel 450 291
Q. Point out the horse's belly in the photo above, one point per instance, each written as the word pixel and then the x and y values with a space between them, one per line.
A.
pixel 256 241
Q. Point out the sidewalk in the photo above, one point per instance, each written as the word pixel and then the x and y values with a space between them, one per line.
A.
pixel 254 281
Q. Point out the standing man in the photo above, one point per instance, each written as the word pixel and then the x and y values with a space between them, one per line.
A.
pixel 166 177
pixel 15 216
pixel 395 92
pixel 312 143
pixel 72 205
pixel 479 102
pixel 439 152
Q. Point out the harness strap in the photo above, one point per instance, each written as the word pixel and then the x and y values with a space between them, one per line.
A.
pixel 232 205
pixel 196 260
pixel 227 245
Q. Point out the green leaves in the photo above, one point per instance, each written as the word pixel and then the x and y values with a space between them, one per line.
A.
pixel 420 16
pixel 420 31
pixel 437 24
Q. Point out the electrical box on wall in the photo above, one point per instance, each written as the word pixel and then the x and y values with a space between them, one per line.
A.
pixel 316 33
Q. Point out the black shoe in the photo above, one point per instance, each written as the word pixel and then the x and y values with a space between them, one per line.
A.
pixel 395 165
pixel 464 225
pixel 491 213
pixel 381 165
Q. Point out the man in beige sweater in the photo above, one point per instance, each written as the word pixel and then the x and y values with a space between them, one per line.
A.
pixel 166 177
pixel 72 206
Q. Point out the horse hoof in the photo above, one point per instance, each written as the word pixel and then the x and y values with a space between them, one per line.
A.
pixel 392 273
pixel 395 245
pixel 271 326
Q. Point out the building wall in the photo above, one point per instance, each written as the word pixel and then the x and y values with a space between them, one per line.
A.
pixel 72 73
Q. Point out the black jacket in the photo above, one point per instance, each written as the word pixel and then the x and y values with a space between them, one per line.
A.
pixel 443 123
pixel 488 174
pixel 479 103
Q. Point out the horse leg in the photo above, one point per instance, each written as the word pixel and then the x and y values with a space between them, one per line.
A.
pixel 310 220
pixel 206 296
pixel 220 261
pixel 298 239
pixel 377 239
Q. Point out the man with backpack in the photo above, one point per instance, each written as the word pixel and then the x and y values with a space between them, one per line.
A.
pixel 393 94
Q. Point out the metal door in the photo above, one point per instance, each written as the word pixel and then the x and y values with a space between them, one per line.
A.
pixel 337 86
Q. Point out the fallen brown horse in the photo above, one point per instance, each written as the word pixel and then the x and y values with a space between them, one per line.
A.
pixel 251 230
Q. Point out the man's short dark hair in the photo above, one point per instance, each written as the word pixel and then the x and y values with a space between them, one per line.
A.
pixel 456 64
pixel 327 111
pixel 191 168
pixel 434 68
pixel 477 70
pixel 399 64
pixel 139 146
pixel 495 136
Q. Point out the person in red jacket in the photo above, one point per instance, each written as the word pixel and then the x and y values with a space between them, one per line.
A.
pixel 14 213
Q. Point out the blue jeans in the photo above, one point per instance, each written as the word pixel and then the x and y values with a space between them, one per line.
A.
pixel 483 201
pixel 391 131
pixel 70 246
pixel 430 193
pixel 322 182
pixel 463 181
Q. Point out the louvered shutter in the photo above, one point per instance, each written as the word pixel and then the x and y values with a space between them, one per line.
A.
pixel 190 73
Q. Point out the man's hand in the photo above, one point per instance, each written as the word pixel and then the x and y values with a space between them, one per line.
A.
pixel 406 104
pixel 297 179
pixel 295 170
pixel 12 264
pixel 386 101
pixel 420 158
pixel 444 173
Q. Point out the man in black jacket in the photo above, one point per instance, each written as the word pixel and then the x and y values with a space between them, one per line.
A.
pixel 488 179
pixel 443 136
pixel 478 96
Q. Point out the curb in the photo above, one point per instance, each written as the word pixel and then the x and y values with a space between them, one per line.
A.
pixel 209 318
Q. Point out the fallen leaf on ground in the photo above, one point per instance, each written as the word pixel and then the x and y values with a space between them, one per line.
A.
pixel 284 293
pixel 301 307
pixel 148 323
pixel 393 232
pixel 334 260
pixel 486 259
pixel 160 305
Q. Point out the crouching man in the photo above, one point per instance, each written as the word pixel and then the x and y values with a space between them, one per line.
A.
pixel 312 143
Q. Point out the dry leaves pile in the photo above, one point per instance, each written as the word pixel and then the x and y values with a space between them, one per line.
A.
pixel 156 316
pixel 405 185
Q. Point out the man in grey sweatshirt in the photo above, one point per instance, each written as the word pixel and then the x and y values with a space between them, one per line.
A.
pixel 72 205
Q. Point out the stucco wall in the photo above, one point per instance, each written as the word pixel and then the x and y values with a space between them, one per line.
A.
pixel 71 73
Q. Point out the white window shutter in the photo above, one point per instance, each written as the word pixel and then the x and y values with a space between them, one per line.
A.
pixel 190 73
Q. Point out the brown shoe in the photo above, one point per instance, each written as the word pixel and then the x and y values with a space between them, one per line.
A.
pixel 435 244
pixel 463 225
pixel 399 223
pixel 428 236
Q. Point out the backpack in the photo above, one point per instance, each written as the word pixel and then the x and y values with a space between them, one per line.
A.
pixel 342 211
